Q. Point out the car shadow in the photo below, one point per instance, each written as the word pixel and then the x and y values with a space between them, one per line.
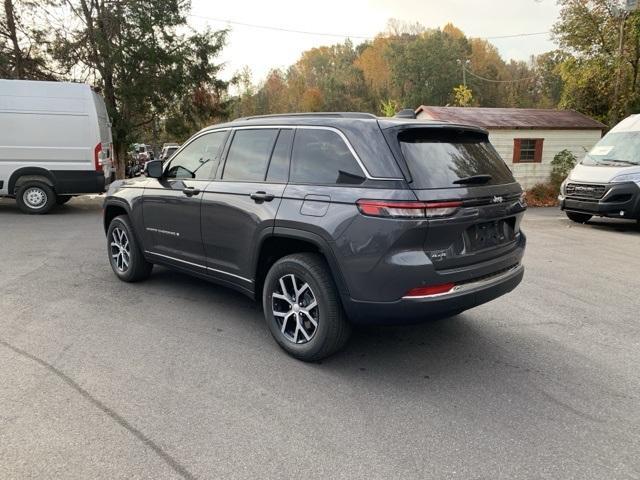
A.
pixel 616 225
pixel 75 206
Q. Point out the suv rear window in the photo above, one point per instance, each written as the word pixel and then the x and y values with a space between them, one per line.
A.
pixel 437 158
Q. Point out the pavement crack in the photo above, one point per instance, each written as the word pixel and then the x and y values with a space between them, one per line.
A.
pixel 168 459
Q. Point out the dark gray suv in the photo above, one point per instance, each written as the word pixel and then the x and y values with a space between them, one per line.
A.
pixel 329 219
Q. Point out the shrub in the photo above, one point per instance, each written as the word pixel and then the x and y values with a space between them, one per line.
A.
pixel 542 195
pixel 561 165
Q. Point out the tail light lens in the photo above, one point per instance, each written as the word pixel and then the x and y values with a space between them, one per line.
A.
pixel 430 290
pixel 407 209
pixel 96 157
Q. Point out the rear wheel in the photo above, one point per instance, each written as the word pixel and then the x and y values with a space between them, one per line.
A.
pixel 35 197
pixel 302 307
pixel 578 217
pixel 125 256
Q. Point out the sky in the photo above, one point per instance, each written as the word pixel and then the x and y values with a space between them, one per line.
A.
pixel 262 49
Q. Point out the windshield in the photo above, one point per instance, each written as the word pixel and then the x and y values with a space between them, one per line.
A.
pixel 451 158
pixel 615 149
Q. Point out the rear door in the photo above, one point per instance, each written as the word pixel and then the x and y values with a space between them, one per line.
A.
pixel 105 152
pixel 240 206
pixel 459 167
pixel 171 204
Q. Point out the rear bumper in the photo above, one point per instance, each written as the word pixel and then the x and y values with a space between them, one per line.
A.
pixel 79 181
pixel 413 310
pixel 621 200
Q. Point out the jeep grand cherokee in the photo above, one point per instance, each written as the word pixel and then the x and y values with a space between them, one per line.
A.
pixel 328 219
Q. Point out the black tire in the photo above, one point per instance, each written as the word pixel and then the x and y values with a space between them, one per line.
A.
pixel 137 268
pixel 62 199
pixel 332 329
pixel 34 197
pixel 579 217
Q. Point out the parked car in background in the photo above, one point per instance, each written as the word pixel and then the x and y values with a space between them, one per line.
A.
pixel 141 154
pixel 606 182
pixel 55 143
pixel 328 220
pixel 168 149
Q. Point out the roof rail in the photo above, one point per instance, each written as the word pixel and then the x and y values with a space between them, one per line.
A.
pixel 312 114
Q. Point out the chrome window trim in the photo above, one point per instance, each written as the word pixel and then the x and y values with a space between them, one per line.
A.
pixel 309 127
pixel 198 265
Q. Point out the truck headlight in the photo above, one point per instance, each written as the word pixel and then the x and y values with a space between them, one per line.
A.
pixel 563 185
pixel 627 177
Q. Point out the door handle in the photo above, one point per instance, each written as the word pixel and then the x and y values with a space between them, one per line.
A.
pixel 260 197
pixel 190 191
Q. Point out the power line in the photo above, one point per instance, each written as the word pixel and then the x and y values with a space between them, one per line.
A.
pixel 515 35
pixel 279 29
pixel 499 81
pixel 337 35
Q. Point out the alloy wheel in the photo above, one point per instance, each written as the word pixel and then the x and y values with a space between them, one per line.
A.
pixel 295 308
pixel 120 250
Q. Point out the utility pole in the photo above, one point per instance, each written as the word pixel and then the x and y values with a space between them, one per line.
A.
pixel 623 13
pixel 616 90
pixel 463 64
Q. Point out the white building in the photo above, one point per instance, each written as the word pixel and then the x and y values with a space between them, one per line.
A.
pixel 526 138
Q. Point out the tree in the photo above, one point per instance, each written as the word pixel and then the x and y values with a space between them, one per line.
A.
pixel 462 96
pixel 21 41
pixel 589 30
pixel 424 68
pixel 389 107
pixel 146 61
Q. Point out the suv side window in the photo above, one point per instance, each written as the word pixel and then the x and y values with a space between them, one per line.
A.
pixel 322 157
pixel 249 154
pixel 279 164
pixel 198 160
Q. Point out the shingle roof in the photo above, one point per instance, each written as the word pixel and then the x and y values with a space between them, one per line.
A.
pixel 512 118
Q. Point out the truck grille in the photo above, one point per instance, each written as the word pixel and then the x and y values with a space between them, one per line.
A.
pixel 584 190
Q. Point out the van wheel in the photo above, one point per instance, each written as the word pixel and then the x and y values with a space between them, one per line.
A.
pixel 125 256
pixel 578 217
pixel 62 199
pixel 302 307
pixel 35 197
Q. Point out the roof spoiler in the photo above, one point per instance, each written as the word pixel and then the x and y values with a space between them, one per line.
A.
pixel 406 113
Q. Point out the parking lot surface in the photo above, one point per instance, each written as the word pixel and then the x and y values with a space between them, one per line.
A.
pixel 178 378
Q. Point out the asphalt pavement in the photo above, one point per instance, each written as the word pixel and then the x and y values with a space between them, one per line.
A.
pixel 179 378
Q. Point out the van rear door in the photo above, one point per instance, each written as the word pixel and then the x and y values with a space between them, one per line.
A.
pixel 458 169
pixel 105 153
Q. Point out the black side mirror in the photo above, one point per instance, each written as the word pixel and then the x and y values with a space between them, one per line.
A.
pixel 154 168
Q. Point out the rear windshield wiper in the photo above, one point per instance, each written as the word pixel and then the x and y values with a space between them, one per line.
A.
pixel 473 179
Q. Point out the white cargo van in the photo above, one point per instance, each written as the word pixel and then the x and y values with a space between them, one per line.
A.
pixel 55 143
pixel 606 182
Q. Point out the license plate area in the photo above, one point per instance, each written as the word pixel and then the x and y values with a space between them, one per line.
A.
pixel 490 234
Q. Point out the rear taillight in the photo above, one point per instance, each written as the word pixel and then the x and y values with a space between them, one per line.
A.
pixel 430 290
pixel 97 161
pixel 407 209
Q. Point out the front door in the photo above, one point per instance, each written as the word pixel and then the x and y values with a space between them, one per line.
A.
pixel 241 206
pixel 172 204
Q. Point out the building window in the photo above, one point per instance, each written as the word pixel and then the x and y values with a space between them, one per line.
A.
pixel 527 150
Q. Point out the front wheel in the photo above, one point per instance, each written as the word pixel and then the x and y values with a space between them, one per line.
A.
pixel 125 256
pixel 35 197
pixel 302 307
pixel 578 217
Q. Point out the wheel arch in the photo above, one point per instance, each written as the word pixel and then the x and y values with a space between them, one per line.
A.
pixel 25 174
pixel 112 209
pixel 286 241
